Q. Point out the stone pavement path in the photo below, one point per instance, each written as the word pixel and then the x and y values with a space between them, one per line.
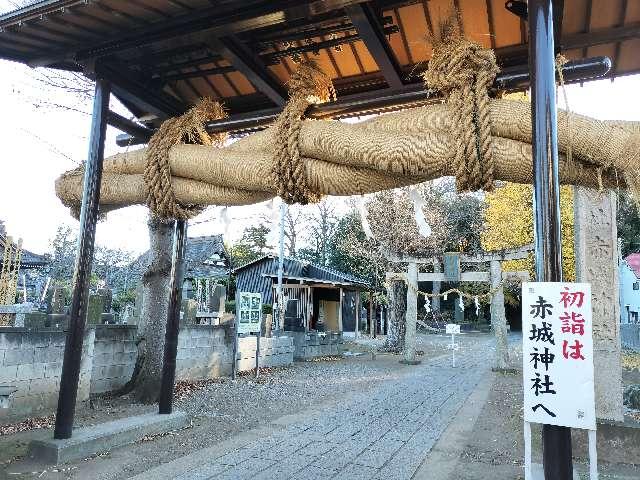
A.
pixel 384 434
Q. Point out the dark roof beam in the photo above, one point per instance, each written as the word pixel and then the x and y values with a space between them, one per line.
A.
pixel 366 22
pixel 252 67
pixel 134 129
pixel 127 85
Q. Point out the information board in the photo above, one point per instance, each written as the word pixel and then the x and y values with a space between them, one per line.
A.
pixel 557 354
pixel 249 312
pixel 452 328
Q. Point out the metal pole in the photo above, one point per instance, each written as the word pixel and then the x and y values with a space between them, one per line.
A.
pixel 281 307
pixel 84 259
pixel 173 317
pixel 258 352
pixel 556 441
pixel 234 360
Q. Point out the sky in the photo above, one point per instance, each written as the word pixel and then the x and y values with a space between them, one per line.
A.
pixel 40 141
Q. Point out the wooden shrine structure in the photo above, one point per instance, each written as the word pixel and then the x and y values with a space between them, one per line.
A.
pixel 158 57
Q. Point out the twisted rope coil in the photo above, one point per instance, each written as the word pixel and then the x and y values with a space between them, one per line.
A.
pixel 463 71
pixel 189 128
pixel 308 85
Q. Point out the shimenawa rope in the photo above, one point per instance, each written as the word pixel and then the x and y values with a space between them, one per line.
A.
pixel 189 127
pixel 308 85
pixel 464 71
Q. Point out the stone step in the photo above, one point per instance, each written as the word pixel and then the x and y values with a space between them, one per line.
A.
pixel 103 437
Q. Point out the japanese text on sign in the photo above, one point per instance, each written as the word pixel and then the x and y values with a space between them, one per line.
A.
pixel 557 354
pixel 250 312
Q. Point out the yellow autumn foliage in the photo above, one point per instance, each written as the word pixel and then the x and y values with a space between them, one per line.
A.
pixel 509 223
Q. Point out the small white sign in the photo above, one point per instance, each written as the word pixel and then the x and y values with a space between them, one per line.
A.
pixel 250 312
pixel 452 328
pixel 557 354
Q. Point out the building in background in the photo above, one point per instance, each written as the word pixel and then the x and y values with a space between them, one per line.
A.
pixel 629 271
pixel 207 267
pixel 317 298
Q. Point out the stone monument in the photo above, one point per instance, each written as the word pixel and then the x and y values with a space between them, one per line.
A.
pixel 597 263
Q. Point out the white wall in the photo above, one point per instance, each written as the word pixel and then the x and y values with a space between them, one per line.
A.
pixel 628 296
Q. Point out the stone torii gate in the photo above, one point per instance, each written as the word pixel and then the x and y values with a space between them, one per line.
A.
pixel 494 276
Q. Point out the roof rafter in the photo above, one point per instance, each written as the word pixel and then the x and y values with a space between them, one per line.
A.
pixel 251 67
pixel 371 32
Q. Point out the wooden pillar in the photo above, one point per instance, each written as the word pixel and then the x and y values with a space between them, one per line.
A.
pixel 412 316
pixel 165 404
pixel 498 317
pixel 372 323
pixel 357 329
pixel 340 311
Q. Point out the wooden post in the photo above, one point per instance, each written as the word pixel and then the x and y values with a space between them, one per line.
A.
pixel 340 311
pixel 165 404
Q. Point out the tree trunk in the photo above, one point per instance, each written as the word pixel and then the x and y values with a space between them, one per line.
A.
pixel 435 301
pixel 396 315
pixel 155 305
pixel 498 317
pixel 411 315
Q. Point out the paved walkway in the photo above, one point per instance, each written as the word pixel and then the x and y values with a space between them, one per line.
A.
pixel 384 434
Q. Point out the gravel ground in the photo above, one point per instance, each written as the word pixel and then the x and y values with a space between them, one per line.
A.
pixel 223 408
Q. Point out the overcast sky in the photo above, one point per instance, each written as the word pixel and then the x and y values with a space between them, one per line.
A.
pixel 40 142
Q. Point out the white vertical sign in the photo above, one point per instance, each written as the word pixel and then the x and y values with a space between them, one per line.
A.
pixel 557 354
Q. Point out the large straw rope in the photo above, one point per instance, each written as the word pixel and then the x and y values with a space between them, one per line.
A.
pixel 388 151
pixel 307 85
pixel 189 127
pixel 464 71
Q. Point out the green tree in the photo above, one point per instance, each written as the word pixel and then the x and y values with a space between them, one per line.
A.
pixel 251 246
pixel 628 224
pixel 62 254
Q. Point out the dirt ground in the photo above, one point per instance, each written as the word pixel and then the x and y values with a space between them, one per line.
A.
pixel 495 447
pixel 219 409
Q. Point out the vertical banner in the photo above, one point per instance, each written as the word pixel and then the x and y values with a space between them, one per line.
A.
pixel 557 354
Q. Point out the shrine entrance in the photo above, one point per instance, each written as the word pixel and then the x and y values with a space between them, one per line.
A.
pixel 454 273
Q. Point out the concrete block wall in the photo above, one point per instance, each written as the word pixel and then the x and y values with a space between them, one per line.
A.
pixel 114 357
pixel 204 351
pixel 630 335
pixel 274 352
pixel 31 361
pixel 316 344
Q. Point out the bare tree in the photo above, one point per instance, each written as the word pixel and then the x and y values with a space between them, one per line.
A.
pixel 321 227
pixel 294 223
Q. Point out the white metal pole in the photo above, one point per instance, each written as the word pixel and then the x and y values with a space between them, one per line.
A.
pixel 46 289
pixel 593 456
pixel 453 349
pixel 527 451
pixel 280 313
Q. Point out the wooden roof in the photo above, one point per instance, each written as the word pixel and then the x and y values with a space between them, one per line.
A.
pixel 162 55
